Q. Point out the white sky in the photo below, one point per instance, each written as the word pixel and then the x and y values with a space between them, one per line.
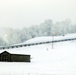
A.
pixel 24 13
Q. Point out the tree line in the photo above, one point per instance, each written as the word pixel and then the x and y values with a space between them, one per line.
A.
pixel 47 28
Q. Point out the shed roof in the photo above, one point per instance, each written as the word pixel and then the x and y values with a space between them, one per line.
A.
pixel 14 52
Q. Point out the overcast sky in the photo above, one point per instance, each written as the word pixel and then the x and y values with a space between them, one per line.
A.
pixel 24 13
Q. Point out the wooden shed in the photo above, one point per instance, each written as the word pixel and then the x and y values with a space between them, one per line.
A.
pixel 5 56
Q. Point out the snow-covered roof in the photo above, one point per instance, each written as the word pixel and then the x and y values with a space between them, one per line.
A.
pixel 50 38
pixel 15 52
pixel 43 39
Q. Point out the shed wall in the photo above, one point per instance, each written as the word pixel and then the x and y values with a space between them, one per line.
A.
pixel 20 58
pixel 7 57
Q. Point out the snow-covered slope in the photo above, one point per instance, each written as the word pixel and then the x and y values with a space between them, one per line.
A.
pixel 44 60
pixel 50 38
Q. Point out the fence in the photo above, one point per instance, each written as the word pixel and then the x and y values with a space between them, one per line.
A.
pixel 32 44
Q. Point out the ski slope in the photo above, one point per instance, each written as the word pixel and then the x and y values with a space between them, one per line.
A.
pixel 44 60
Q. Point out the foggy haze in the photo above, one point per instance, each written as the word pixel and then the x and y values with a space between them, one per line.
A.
pixel 24 13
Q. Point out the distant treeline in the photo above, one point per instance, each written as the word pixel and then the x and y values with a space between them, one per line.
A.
pixel 48 28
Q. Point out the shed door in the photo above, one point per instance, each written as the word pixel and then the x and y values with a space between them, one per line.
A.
pixel 5 58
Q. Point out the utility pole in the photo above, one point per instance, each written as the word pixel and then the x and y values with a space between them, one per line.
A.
pixel 52 40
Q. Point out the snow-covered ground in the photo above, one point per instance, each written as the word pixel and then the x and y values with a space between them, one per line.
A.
pixel 44 60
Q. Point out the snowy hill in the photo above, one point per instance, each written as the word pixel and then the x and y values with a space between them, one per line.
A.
pixel 50 38
pixel 44 60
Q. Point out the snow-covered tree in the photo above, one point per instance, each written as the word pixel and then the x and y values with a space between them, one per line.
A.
pixel 46 27
pixel 2 42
